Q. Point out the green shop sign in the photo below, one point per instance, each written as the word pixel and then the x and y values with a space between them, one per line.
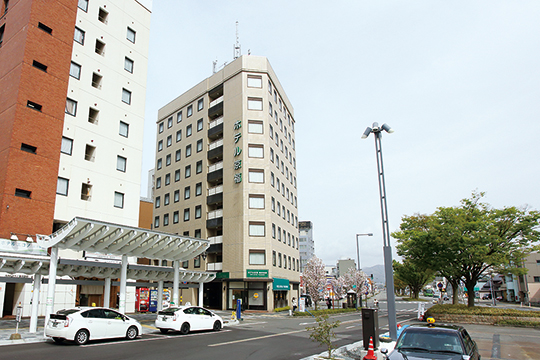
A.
pixel 281 284
pixel 222 275
pixel 250 273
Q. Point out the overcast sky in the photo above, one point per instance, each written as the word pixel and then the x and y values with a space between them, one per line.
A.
pixel 458 81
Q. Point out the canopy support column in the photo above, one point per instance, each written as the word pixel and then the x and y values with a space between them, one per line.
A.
pixel 201 294
pixel 53 265
pixel 176 282
pixel 35 303
pixel 160 295
pixel 107 293
pixel 123 282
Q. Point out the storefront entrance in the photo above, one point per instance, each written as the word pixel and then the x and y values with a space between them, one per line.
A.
pixel 252 294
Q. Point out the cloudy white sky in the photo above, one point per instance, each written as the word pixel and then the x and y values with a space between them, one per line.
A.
pixel 458 81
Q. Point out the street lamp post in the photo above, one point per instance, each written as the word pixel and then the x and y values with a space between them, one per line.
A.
pixel 358 257
pixel 388 271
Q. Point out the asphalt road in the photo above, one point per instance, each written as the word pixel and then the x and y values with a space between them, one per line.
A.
pixel 263 337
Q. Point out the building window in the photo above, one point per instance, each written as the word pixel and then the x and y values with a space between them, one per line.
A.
pixel 62 186
pixel 158 202
pixel 186 214
pixel 188 130
pixel 103 16
pixel 273 231
pixel 279 259
pixel 178 135
pixel 256 201
pixel 124 129
pixel 254 81
pixel 158 183
pixel 71 107
pixel 93 116
pixel 168 160
pixel 160 145
pixel 198 189
pixel 536 279
pixel 256 151
pixel 273 204
pixel 187 171
pixel 75 70
pixel 128 64
pixel 126 96
pixel 256 228
pixel 255 104
pixel 271 155
pixel 188 150
pixel 178 155
pixel 176 175
pixel 197 262
pixel 199 124
pixel 279 232
pixel 256 176
pixel 198 168
pixel 90 153
pixel 274 258
pixel 176 196
pixel 272 178
pixel 169 140
pixel 185 264
pixel 86 192
pixel 255 127
pixel 169 123
pixel 130 35
pixel 118 200
pixel 189 110
pixel 79 36
pixel 156 222
pixel 167 179
pixel 200 104
pixel 100 48
pixel 28 148
pixel 179 117
pixel 187 192
pixel 199 145
pixel 176 217
pixel 257 257
pixel 165 219
pixel 83 5
pixel 198 212
pixel 121 163
pixel 67 146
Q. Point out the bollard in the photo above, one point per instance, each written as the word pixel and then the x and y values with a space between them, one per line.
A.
pixel 18 317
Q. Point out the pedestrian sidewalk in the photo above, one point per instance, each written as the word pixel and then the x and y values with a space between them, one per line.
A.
pixel 354 351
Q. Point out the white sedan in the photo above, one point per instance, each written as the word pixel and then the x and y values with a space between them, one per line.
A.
pixel 187 318
pixel 83 324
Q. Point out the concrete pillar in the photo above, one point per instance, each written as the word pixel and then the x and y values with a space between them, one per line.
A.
pixel 201 289
pixel 53 265
pixel 107 293
pixel 160 295
pixel 176 282
pixel 123 282
pixel 35 303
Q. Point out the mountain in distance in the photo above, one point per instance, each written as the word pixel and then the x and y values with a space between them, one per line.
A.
pixel 378 273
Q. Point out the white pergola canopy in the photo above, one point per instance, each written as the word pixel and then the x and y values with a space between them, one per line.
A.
pixel 82 234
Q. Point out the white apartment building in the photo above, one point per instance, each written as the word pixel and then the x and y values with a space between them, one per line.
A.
pixel 307 245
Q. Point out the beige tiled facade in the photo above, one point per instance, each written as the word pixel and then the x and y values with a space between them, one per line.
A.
pixel 226 171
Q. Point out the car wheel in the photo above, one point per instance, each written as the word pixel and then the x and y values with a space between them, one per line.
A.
pixel 184 329
pixel 58 340
pixel 217 325
pixel 164 331
pixel 81 337
pixel 132 333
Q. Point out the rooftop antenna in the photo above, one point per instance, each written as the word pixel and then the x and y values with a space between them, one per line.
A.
pixel 237 50
pixel 214 66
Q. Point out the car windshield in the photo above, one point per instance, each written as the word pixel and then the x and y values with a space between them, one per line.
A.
pixel 430 340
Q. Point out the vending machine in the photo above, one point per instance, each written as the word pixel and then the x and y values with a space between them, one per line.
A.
pixel 142 299
pixel 153 301
pixel 166 301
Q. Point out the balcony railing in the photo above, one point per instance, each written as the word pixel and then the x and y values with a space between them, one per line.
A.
pixel 215 144
pixel 216 166
pixel 216 240
pixel 217 101
pixel 214 214
pixel 215 190
pixel 216 122
pixel 214 266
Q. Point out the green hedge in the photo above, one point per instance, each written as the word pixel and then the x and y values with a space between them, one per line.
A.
pixel 286 308
pixel 324 311
pixel 516 322
pixel 479 310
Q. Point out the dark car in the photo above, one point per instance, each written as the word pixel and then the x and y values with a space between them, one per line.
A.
pixel 486 297
pixel 449 342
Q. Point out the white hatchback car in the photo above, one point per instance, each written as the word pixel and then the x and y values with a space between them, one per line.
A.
pixel 187 318
pixel 83 324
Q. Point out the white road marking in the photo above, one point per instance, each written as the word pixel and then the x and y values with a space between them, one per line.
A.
pixel 309 323
pixel 350 327
pixel 257 338
pixel 157 337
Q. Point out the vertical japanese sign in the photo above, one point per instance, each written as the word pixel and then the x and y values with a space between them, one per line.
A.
pixel 237 152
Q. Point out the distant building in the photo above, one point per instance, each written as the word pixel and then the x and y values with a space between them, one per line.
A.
pixel 344 265
pixel 307 245
pixel 330 271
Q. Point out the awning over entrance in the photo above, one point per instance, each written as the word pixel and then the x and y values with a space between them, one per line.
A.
pixel 82 234
pixel 281 284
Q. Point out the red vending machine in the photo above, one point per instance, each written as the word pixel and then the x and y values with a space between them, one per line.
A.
pixel 142 299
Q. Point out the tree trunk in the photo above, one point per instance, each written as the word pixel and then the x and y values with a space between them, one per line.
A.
pixel 470 292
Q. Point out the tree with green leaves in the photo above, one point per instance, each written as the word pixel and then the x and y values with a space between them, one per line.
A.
pixel 323 333
pixel 462 243
pixel 414 274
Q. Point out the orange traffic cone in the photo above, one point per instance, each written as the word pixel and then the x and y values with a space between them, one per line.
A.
pixel 398 326
pixel 370 354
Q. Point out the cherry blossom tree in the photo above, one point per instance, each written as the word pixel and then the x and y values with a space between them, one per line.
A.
pixel 338 286
pixel 355 280
pixel 315 279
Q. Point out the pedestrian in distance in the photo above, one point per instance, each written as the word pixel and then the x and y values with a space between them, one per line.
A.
pixel 294 304
pixel 329 303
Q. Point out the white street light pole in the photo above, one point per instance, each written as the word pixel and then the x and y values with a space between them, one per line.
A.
pixel 388 271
